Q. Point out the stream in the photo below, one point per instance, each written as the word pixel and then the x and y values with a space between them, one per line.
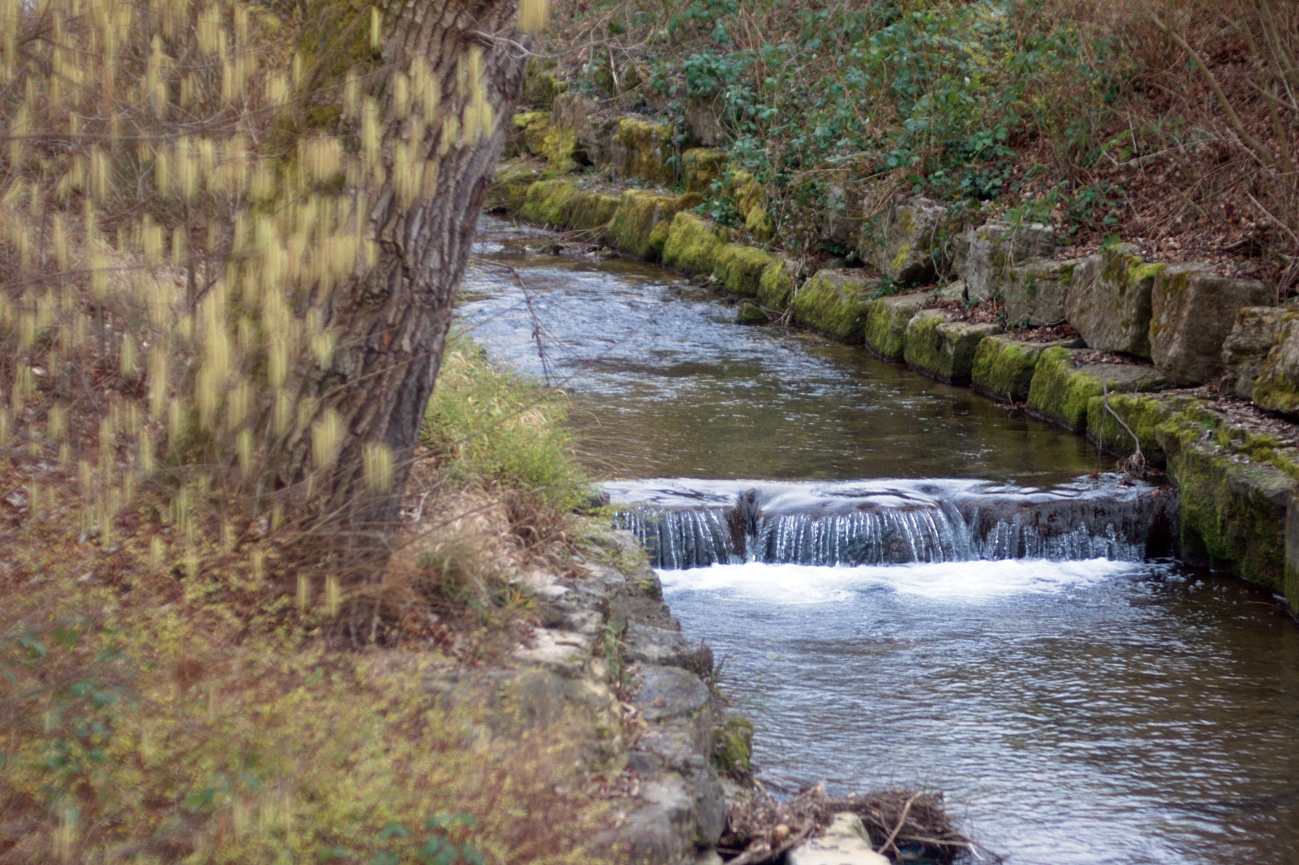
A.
pixel 909 585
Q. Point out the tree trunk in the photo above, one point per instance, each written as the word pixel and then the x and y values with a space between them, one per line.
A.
pixel 391 320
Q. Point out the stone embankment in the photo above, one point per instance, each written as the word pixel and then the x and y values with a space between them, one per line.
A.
pixel 611 662
pixel 1150 333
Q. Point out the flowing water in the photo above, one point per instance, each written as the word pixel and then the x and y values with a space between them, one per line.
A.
pixel 909 585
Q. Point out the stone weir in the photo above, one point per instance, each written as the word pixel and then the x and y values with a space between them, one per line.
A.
pixel 691 523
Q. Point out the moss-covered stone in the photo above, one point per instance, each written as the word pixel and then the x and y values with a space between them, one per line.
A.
pixel 1034 294
pixel 640 149
pixel 1148 416
pixel 509 188
pixel 1232 513
pixel 758 224
pixel 1277 388
pixel 739 268
pixel 944 349
pixel 1191 314
pixel 700 166
pixel 777 285
pixel 1109 300
pixel 732 746
pixel 693 244
pixel 1003 367
pixel 547 202
pixel 750 313
pixel 885 332
pixel 835 302
pixel 541 85
pixel 640 225
pixel 1060 392
pixel 592 211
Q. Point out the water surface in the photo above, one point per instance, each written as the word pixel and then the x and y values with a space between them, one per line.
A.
pixel 1086 711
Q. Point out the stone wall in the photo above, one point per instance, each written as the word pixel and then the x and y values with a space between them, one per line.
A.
pixel 1173 326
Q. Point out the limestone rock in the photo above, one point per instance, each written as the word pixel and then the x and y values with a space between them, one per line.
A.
pixel 841 218
pixel 1191 314
pixel 1145 414
pixel 1232 514
pixel 1004 366
pixel 509 188
pixel 588 131
pixel 835 302
pixel 750 313
pixel 667 648
pixel 641 224
pixel 739 268
pixel 701 166
pixel 1277 388
pixel 776 286
pixel 669 692
pixel 996 246
pixel 1060 392
pixel 944 349
pixel 842 843
pixel 663 830
pixel 705 122
pixel 1035 294
pixel 1109 302
pixel 693 244
pixel 640 149
pixel 886 325
pixel 1246 348
pixel 904 247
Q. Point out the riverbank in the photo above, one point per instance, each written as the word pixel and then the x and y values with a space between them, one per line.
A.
pixel 1123 351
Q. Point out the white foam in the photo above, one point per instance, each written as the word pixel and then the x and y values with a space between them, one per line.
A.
pixel 958 582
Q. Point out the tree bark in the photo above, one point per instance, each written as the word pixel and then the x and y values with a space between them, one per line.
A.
pixel 392 319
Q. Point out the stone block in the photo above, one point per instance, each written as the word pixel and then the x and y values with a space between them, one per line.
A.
pixel 844 842
pixel 886 325
pixel 995 246
pixel 1191 314
pixel 510 186
pixel 739 268
pixel 841 219
pixel 705 121
pixel 640 225
pixel 1145 415
pixel 776 286
pixel 1245 350
pixel 669 692
pixel 1035 294
pixel 1277 387
pixel 1003 366
pixel 1060 392
pixel 835 302
pixel 944 349
pixel 904 245
pixel 1109 301
pixel 640 149
pixel 590 129
pixel 700 166
pixel 666 648
pixel 1232 513
pixel 693 244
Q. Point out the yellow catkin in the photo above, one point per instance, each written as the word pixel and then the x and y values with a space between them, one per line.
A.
pixel 326 434
pixel 533 15
pixel 377 459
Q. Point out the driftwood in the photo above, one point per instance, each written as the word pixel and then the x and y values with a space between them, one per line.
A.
pixel 762 829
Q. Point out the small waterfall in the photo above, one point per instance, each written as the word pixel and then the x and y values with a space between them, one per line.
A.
pixel 687 524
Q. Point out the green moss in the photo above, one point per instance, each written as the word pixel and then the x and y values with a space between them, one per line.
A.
pixel 885 332
pixel 740 268
pixel 776 286
pixel 646 145
pixel 541 85
pixel 1149 417
pixel 757 223
pixel 1003 368
pixel 592 211
pixel 640 225
pixel 750 313
pixel 944 349
pixel 835 302
pixel 904 250
pixel 1232 514
pixel 693 244
pixel 923 350
pixel 732 746
pixel 1058 392
pixel 509 189
pixel 1277 388
pixel 548 201
pixel 701 166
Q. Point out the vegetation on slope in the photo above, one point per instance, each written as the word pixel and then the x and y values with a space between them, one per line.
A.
pixel 1170 123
